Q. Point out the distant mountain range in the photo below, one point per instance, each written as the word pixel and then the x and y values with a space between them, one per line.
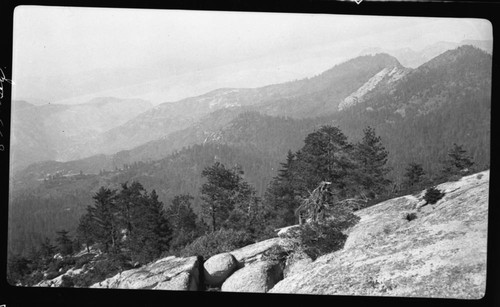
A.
pixel 419 113
pixel 414 58
pixel 359 88
pixel 53 132
pixel 110 125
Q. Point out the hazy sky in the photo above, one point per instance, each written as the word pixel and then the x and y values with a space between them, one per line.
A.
pixel 61 53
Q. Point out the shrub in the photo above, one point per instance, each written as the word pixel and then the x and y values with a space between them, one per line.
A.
pixel 410 216
pixel 83 260
pixel 34 278
pixel 66 282
pixel 432 195
pixel 324 236
pixel 320 238
pixel 276 253
pixel 100 270
pixel 220 241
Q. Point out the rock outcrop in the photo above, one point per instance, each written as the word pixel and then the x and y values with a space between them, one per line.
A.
pixel 401 247
pixel 440 254
pixel 170 273
pixel 252 253
pixel 258 277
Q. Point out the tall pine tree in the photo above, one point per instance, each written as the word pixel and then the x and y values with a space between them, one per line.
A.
pixel 182 220
pixel 282 195
pixel 414 176
pixel 371 156
pixel 105 220
pixel 327 156
pixel 458 162
pixel 223 190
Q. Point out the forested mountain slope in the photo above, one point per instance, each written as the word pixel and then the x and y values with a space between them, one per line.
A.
pixel 446 100
pixel 418 117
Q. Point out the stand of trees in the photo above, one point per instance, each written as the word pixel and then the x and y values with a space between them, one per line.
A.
pixel 130 226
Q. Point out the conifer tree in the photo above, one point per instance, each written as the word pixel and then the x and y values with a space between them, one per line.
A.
pixel 327 156
pixel 222 191
pixel 85 231
pixel 182 220
pixel 414 176
pixel 47 250
pixel 105 219
pixel 458 162
pixel 64 243
pixel 372 159
pixel 147 232
pixel 282 194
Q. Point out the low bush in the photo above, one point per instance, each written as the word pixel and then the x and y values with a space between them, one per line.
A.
pixel 220 241
pixel 67 282
pixel 433 195
pixel 83 260
pixel 410 216
pixel 276 253
pixel 326 236
pixel 102 268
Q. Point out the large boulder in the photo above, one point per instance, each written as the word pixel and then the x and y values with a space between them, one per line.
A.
pixel 258 277
pixel 219 267
pixel 441 253
pixel 170 273
pixel 252 253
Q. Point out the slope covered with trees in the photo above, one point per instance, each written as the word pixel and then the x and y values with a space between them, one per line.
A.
pixel 417 121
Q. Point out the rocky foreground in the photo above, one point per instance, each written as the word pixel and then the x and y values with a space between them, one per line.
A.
pixel 441 253
pixel 400 247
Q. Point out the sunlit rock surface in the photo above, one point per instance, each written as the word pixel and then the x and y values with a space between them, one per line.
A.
pixel 442 253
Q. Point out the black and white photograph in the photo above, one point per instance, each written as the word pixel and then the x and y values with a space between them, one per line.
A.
pixel 249 152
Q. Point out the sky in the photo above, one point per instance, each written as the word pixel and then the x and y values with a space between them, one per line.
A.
pixel 69 55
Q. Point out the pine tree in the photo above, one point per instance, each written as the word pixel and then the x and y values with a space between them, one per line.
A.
pixel 85 231
pixel 217 194
pixel 64 243
pixel 458 162
pixel 47 250
pixel 327 156
pixel 223 190
pixel 282 194
pixel 127 203
pixel 372 159
pixel 414 176
pixel 150 232
pixel 105 220
pixel 182 220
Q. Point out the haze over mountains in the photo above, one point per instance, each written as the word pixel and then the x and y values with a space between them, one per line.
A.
pixel 418 112
pixel 413 58
pixel 53 131
pixel 110 125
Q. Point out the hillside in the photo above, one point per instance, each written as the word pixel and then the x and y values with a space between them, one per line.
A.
pixel 446 100
pixel 55 132
pixel 439 253
pixel 418 117
pixel 311 97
